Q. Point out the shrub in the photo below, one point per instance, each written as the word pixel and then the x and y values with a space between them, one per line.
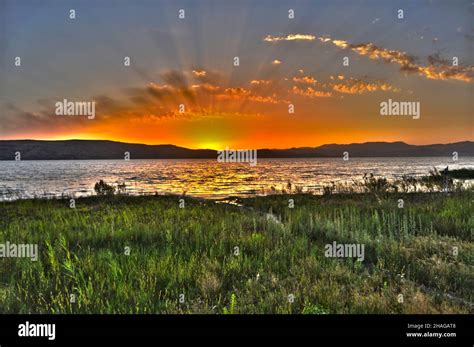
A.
pixel 373 184
pixel 121 188
pixel 102 188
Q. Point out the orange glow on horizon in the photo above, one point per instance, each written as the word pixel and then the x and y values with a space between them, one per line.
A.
pixel 255 142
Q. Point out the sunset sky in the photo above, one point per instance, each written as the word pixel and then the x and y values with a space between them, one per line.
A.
pixel 283 61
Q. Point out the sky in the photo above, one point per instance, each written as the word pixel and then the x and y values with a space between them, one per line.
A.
pixel 284 63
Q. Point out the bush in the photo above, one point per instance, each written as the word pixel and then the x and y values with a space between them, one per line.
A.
pixel 437 181
pixel 375 184
pixel 121 188
pixel 102 188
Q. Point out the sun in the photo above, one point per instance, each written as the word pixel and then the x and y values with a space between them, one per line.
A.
pixel 210 145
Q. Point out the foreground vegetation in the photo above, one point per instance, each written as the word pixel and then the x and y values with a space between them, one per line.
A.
pixel 121 254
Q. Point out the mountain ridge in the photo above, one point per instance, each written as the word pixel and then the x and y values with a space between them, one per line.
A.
pixel 107 149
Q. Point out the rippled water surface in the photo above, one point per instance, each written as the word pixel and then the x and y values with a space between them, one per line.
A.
pixel 201 177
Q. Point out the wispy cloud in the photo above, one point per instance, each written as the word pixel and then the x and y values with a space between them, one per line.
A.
pixel 436 69
pixel 238 93
pixel 305 80
pixel 291 37
pixel 358 86
pixel 339 84
pixel 260 82
pixel 310 92
pixel 199 73
pixel 206 87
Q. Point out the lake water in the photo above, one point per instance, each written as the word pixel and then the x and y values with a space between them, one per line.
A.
pixel 204 178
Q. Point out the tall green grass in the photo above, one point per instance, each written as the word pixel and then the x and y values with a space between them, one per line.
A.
pixel 191 251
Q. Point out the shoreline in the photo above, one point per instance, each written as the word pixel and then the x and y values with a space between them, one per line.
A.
pixel 232 198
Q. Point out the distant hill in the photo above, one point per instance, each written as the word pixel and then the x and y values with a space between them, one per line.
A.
pixel 374 149
pixel 95 149
pixel 101 149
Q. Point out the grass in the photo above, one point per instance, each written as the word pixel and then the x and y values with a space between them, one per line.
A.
pixel 229 260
